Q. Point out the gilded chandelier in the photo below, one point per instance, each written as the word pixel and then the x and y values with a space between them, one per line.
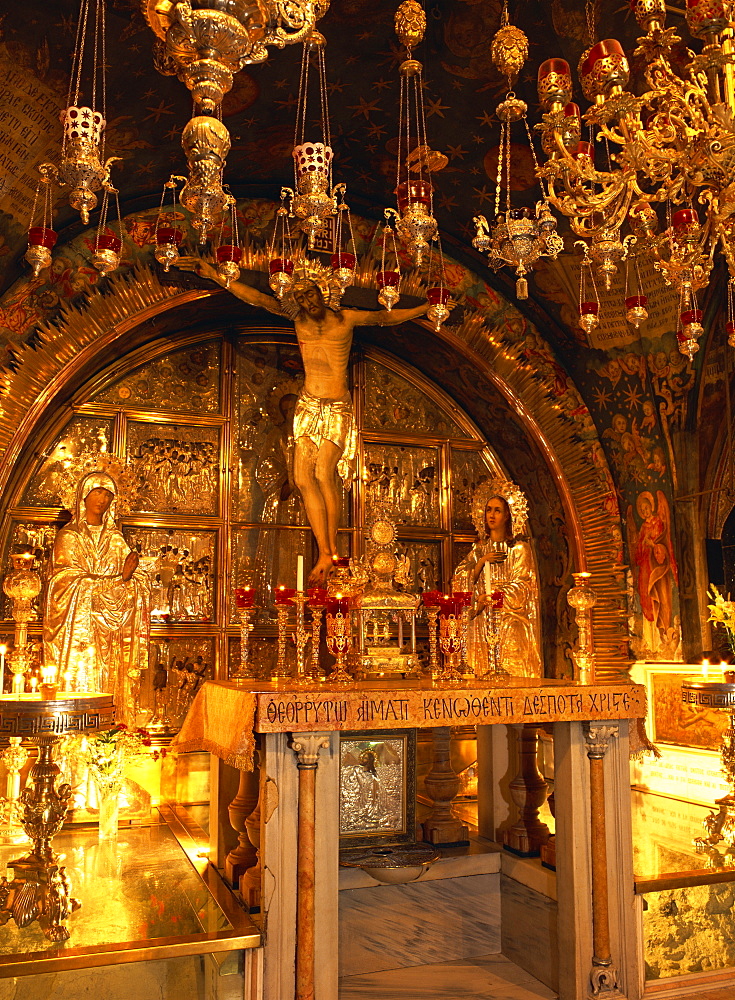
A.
pixel 672 146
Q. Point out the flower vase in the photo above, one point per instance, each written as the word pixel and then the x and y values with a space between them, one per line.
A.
pixel 108 796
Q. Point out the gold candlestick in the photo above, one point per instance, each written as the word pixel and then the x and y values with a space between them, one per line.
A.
pixel 339 635
pixel 583 598
pixel 316 635
pixel 492 638
pixel 450 640
pixel 434 664
pixel 246 628
pixel 301 635
pixel 14 758
pixel 282 671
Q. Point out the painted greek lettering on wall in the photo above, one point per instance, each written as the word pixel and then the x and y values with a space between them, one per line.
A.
pixel 30 133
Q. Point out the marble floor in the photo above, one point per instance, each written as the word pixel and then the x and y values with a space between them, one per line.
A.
pixel 468 979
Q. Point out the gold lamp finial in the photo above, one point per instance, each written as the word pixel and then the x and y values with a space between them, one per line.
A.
pixel 410 23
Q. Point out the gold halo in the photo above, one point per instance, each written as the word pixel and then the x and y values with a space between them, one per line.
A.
pixel 513 496
pixel 97 461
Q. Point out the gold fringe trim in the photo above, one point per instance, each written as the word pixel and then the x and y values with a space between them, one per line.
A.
pixel 242 761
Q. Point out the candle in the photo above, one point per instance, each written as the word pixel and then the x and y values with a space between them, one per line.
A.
pixel 300 574
pixel 34 683
pixel 338 605
pixel 705 669
pixel 284 595
pixel 245 597
pixel 3 651
pixel 342 562
pixel 496 599
pixel 318 597
pixel 431 598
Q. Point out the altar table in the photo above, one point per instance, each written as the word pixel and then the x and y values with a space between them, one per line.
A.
pixel 299 808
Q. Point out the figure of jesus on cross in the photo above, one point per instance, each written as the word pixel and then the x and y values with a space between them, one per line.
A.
pixel 324 432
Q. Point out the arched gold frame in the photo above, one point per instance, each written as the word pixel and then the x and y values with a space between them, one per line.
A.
pixel 69 351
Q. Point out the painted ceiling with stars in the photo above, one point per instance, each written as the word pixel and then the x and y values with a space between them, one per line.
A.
pixel 146 111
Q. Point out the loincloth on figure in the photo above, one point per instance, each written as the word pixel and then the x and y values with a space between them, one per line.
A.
pixel 326 420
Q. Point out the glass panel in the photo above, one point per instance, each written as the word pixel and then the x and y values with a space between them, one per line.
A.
pixel 139 887
pixel 81 434
pixel 177 669
pixel 689 930
pixel 187 380
pixel 39 537
pixel 181 565
pixel 425 561
pixel 469 470
pixel 265 558
pixel 392 403
pixel 176 466
pixel 268 380
pixel 405 478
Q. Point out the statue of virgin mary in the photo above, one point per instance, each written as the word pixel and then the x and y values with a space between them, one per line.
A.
pixel 501 562
pixel 96 615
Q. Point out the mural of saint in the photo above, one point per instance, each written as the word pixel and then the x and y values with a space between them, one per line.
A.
pixel 654 565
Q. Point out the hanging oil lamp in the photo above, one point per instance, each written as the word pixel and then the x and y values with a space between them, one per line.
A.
pixel 437 294
pixel 107 246
pixel 589 306
pixel 83 167
pixel 414 220
pixel 519 236
pixel 229 254
pixel 167 236
pixel 635 305
pixel 730 325
pixel 343 262
pixel 313 201
pixel 389 278
pixel 41 239
pixel 280 252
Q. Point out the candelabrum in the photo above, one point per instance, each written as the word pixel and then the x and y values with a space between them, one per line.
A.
pixel 453 642
pixel 583 598
pixel 281 671
pixel 317 614
pixel 339 637
pixel 301 634
pixel 246 667
pixel 434 665
pixel 493 611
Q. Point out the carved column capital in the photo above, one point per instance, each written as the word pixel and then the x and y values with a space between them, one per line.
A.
pixel 597 736
pixel 306 746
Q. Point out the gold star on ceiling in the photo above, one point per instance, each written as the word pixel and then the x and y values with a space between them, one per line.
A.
pixel 436 107
pixel 365 108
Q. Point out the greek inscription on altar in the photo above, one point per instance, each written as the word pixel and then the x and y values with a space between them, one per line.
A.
pixel 416 708
pixel 29 134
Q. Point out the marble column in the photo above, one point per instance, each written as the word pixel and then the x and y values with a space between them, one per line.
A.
pixel 603 974
pixel 306 746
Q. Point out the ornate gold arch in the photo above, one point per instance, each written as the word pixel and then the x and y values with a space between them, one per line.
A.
pixel 67 348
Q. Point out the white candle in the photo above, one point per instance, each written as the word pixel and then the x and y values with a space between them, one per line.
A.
pixel 3 651
pixel 705 669
pixel 300 573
